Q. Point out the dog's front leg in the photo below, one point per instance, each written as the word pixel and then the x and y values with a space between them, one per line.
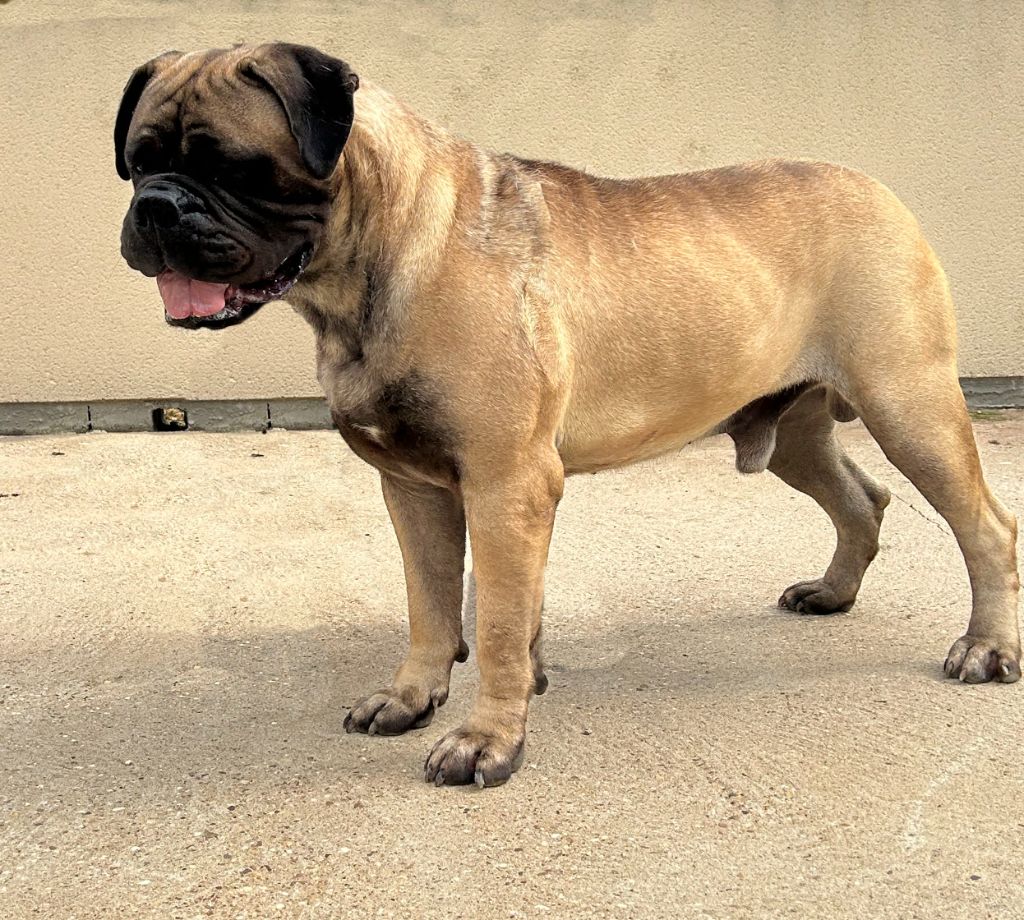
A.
pixel 431 529
pixel 510 516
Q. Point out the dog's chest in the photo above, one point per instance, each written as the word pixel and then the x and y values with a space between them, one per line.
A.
pixel 398 428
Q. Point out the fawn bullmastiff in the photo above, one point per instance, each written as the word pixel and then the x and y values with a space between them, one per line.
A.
pixel 487 325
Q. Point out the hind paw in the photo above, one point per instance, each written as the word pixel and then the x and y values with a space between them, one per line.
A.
pixel 818 597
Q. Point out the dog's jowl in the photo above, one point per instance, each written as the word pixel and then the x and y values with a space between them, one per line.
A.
pixel 486 325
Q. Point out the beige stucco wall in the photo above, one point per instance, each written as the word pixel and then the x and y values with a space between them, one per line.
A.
pixel 926 96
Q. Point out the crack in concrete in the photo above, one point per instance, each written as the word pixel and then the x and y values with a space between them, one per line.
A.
pixel 939 524
pixel 914 829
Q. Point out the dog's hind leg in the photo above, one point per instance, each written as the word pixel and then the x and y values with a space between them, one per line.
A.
pixel 920 421
pixel 808 457
pixel 904 385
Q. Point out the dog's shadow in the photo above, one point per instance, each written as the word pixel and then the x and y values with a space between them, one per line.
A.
pixel 267 707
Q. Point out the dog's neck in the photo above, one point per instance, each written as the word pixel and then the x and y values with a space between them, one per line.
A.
pixel 394 206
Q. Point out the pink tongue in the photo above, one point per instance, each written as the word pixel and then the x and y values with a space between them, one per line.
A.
pixel 184 297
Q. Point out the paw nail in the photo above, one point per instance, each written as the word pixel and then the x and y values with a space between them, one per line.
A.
pixel 439 779
pixel 478 778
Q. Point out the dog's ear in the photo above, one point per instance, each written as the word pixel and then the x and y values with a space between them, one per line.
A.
pixel 129 101
pixel 316 92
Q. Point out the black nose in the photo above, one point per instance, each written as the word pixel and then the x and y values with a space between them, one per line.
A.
pixel 159 205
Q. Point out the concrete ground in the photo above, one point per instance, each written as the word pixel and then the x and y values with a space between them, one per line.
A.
pixel 186 618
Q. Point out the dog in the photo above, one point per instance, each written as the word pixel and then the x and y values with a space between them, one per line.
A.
pixel 487 325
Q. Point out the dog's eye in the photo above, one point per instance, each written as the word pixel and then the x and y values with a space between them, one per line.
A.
pixel 208 167
pixel 147 159
pixel 252 174
pixel 256 170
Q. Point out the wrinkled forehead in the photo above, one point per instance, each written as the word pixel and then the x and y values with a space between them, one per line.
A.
pixel 204 95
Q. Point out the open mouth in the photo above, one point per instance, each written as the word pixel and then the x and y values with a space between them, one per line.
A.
pixel 194 304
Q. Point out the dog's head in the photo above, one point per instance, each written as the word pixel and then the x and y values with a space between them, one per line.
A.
pixel 231 153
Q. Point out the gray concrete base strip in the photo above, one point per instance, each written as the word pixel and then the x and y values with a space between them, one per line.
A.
pixel 301 414
pixel 43 418
pixel 994 392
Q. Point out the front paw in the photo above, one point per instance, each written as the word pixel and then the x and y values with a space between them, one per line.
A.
pixel 467 755
pixel 977 660
pixel 395 710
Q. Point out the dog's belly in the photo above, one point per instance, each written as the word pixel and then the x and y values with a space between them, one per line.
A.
pixel 586 449
pixel 641 409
